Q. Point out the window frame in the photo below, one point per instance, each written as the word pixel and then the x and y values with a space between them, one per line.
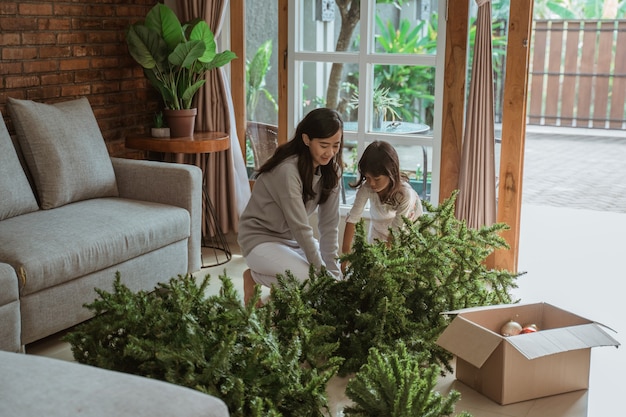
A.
pixel 366 59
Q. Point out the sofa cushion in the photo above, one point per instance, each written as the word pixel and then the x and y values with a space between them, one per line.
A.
pixel 50 247
pixel 64 150
pixel 17 196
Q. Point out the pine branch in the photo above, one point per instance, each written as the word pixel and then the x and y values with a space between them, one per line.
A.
pixel 397 383
pixel 399 291
pixel 213 344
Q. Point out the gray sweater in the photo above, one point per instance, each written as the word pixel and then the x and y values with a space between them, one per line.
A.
pixel 276 213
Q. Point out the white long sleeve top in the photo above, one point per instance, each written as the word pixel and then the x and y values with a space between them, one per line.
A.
pixel 382 215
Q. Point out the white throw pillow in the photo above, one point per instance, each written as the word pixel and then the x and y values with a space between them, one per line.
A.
pixel 64 150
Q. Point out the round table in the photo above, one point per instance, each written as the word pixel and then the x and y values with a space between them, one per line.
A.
pixel 200 142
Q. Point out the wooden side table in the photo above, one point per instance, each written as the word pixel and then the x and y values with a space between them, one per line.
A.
pixel 199 143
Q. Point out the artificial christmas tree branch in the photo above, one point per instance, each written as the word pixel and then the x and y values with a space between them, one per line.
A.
pixel 277 360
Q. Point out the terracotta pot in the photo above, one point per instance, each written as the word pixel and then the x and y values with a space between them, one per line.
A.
pixel 181 122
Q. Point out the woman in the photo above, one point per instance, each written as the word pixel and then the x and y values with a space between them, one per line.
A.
pixel 302 176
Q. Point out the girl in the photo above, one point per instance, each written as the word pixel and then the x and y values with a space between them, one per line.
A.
pixel 303 175
pixel 390 195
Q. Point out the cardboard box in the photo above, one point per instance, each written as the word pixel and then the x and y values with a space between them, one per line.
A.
pixel 551 361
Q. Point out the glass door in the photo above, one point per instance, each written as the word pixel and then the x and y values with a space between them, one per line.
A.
pixel 261 81
pixel 377 63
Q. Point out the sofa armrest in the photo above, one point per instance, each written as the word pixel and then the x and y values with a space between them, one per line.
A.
pixel 166 183
pixel 10 322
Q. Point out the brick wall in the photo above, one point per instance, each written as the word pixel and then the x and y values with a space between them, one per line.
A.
pixel 57 50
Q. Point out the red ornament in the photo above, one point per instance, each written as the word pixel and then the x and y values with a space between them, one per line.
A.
pixel 510 328
pixel 529 328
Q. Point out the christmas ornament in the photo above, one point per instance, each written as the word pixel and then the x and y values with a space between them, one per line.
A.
pixel 529 328
pixel 510 328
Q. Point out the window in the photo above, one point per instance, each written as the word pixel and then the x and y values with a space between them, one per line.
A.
pixel 379 69
pixel 261 43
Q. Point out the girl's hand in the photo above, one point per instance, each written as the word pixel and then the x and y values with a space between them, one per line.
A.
pixel 344 267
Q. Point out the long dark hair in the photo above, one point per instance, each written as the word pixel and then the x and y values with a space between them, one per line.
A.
pixel 380 158
pixel 319 123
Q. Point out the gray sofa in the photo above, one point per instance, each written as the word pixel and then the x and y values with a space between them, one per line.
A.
pixel 71 216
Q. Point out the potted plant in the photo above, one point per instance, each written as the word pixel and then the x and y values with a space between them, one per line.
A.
pixel 159 130
pixel 175 58
pixel 383 104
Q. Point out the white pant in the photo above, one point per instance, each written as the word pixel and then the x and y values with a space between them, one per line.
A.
pixel 266 260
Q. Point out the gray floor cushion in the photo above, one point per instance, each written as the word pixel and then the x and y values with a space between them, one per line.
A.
pixel 38 386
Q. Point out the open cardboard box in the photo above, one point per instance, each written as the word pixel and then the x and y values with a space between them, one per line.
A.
pixel 551 361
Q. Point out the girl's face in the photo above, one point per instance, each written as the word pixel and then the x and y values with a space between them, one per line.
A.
pixel 323 150
pixel 379 183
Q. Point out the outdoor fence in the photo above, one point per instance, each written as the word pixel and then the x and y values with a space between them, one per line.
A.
pixel 577 74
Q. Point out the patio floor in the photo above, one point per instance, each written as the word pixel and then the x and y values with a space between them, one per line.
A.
pixel 575 168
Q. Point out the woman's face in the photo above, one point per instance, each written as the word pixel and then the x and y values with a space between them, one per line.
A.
pixel 323 150
pixel 378 183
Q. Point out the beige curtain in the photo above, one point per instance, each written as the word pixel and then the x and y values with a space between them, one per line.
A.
pixel 225 172
pixel 477 181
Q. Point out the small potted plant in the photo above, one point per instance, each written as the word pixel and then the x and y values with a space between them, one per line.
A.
pixel 159 130
pixel 175 58
pixel 384 105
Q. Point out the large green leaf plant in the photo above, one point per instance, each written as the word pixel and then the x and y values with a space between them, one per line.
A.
pixel 256 71
pixel 175 57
